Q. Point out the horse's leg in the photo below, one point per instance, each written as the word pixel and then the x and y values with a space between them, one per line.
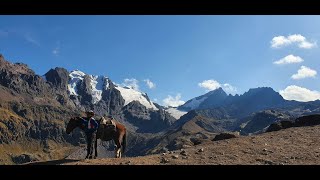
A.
pixel 118 141
pixel 118 147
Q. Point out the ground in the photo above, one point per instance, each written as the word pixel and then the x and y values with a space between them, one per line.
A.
pixel 292 146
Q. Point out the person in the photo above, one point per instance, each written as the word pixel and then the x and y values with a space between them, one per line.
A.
pixel 91 126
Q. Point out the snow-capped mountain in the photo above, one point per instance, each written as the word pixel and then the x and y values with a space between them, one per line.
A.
pixel 129 94
pixel 175 112
pixel 100 84
pixel 97 84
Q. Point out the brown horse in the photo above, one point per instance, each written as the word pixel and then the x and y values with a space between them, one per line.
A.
pixel 107 130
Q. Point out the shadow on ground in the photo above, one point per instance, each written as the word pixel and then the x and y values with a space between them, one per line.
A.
pixel 53 162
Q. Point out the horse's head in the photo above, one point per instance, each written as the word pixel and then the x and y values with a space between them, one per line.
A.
pixel 72 124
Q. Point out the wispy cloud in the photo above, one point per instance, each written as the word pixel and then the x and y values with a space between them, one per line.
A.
pixel 31 39
pixel 297 93
pixel 132 83
pixel 173 101
pixel 211 84
pixel 56 50
pixel 298 39
pixel 150 84
pixel 4 33
pixel 304 72
pixel 290 59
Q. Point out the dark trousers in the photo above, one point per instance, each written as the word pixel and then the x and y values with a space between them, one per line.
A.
pixel 91 138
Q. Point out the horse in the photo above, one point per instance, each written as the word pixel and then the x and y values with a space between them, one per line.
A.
pixel 118 134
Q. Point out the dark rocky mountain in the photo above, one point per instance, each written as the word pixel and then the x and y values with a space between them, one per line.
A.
pixel 35 109
pixel 251 112
pixel 211 99
pixel 255 99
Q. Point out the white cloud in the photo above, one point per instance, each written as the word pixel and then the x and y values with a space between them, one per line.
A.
pixel 298 39
pixel 173 101
pixel 211 84
pixel 133 83
pixel 297 93
pixel 229 89
pixel 290 59
pixel 150 84
pixel 304 72
pixel 155 100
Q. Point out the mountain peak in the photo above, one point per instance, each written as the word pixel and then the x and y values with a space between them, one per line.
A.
pixel 263 91
pixel 216 91
pixel 212 98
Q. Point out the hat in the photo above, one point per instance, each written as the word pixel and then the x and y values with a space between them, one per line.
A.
pixel 89 112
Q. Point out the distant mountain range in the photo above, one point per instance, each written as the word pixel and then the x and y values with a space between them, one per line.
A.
pixel 35 109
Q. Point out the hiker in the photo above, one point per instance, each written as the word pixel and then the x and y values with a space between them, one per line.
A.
pixel 91 126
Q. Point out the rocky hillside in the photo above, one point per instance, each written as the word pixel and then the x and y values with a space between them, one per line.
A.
pixel 292 146
pixel 35 109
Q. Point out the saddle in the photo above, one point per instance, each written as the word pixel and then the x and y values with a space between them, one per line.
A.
pixel 109 125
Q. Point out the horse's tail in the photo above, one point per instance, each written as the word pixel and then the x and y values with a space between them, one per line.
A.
pixel 124 142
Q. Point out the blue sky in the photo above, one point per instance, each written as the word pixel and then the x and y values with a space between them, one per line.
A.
pixel 183 56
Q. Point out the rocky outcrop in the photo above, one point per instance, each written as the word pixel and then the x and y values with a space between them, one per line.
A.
pixel 280 125
pixel 310 120
pixel 223 136
pixel 58 78
pixel 146 120
pixel 261 120
pixel 25 158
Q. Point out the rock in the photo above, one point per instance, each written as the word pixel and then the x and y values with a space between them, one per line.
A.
pixel 268 162
pixel 196 141
pixel 186 146
pixel 163 154
pixel 280 125
pixel 164 160
pixel 184 153
pixel 201 150
pixel 184 157
pixel 24 158
pixel 310 120
pixel 175 157
pixel 264 150
pixel 274 127
pixel 223 136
